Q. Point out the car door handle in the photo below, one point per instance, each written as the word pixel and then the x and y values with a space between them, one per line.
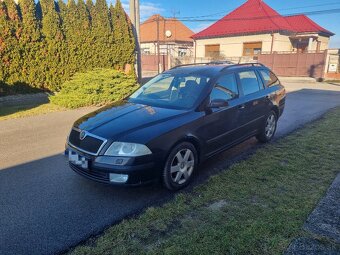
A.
pixel 241 107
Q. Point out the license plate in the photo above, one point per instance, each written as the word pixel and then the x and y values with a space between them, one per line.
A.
pixel 78 160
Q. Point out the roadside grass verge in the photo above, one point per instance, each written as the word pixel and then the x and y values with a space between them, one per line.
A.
pixel 20 111
pixel 257 206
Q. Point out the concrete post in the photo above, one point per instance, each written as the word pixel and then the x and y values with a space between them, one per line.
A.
pixel 310 44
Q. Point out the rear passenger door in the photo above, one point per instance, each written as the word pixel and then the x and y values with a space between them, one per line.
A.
pixel 253 108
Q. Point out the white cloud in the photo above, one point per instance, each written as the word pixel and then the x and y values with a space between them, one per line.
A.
pixel 146 9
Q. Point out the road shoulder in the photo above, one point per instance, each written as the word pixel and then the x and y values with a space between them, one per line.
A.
pixel 323 225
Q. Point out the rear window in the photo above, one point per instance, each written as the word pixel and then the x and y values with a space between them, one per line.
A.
pixel 269 78
pixel 249 82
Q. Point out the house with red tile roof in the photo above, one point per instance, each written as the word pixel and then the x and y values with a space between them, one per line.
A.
pixel 255 27
pixel 171 35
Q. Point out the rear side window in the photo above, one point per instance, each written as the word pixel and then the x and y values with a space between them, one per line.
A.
pixel 269 78
pixel 249 82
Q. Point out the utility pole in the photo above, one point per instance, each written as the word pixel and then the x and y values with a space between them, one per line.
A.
pixel 135 19
pixel 158 48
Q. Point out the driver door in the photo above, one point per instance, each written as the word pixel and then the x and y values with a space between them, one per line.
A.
pixel 220 124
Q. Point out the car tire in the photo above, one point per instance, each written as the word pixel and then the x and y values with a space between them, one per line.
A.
pixel 268 128
pixel 180 166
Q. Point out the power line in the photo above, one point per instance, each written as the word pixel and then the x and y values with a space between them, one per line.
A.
pixel 311 13
pixel 284 9
pixel 329 11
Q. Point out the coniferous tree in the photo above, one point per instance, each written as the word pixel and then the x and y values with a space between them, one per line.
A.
pixel 61 9
pixel 84 24
pixel 14 17
pixel 54 44
pixel 11 55
pixel 5 34
pixel 44 44
pixel 101 31
pixel 30 41
pixel 71 31
pixel 89 6
pixel 123 36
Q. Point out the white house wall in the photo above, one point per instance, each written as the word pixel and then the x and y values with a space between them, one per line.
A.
pixel 233 46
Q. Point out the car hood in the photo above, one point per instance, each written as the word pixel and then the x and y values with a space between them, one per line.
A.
pixel 118 119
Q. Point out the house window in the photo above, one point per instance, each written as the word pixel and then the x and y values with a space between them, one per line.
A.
pixel 251 49
pixel 182 52
pixel 212 50
pixel 145 51
pixel 163 49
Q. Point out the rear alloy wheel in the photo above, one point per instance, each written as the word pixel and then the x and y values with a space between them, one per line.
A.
pixel 269 128
pixel 180 166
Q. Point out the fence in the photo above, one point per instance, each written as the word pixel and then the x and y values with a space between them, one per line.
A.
pixel 295 64
pixel 324 64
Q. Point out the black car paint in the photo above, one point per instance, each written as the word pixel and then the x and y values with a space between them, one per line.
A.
pixel 211 130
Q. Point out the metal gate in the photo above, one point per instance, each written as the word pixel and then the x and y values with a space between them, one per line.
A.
pixel 295 64
pixel 150 62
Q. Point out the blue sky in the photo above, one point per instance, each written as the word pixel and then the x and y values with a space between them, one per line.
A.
pixel 219 8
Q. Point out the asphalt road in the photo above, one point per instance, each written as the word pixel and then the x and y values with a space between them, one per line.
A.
pixel 45 208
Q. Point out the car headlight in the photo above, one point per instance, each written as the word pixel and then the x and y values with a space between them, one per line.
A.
pixel 127 149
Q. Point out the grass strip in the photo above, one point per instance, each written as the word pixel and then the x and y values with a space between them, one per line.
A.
pixel 257 206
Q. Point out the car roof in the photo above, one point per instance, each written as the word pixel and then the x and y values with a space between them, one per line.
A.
pixel 211 69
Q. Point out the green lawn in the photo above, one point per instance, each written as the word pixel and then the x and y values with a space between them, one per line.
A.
pixel 257 206
pixel 12 112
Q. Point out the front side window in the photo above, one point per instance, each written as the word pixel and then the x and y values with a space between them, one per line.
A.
pixel 249 82
pixel 225 88
pixel 269 78
pixel 178 91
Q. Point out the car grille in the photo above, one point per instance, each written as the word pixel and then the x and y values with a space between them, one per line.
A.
pixel 90 144
pixel 91 174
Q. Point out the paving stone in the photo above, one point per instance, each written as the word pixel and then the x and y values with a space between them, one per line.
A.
pixel 309 246
pixel 325 219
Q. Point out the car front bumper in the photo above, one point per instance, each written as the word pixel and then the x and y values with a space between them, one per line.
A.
pixel 141 170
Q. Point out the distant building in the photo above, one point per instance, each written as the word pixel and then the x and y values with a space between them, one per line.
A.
pixel 171 34
pixel 254 27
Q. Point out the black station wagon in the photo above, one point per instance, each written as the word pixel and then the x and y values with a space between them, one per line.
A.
pixel 176 121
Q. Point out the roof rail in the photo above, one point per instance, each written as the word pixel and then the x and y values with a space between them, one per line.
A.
pixel 245 64
pixel 206 63
pixel 224 62
pixel 194 64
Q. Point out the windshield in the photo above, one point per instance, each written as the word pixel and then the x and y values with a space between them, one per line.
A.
pixel 177 91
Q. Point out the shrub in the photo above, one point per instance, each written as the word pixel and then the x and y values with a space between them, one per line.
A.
pixel 97 87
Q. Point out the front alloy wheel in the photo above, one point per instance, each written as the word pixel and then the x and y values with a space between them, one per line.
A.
pixel 180 166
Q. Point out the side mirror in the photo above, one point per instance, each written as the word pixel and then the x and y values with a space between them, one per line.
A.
pixel 218 103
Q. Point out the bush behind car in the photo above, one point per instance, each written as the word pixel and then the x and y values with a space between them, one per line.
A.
pixel 96 87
